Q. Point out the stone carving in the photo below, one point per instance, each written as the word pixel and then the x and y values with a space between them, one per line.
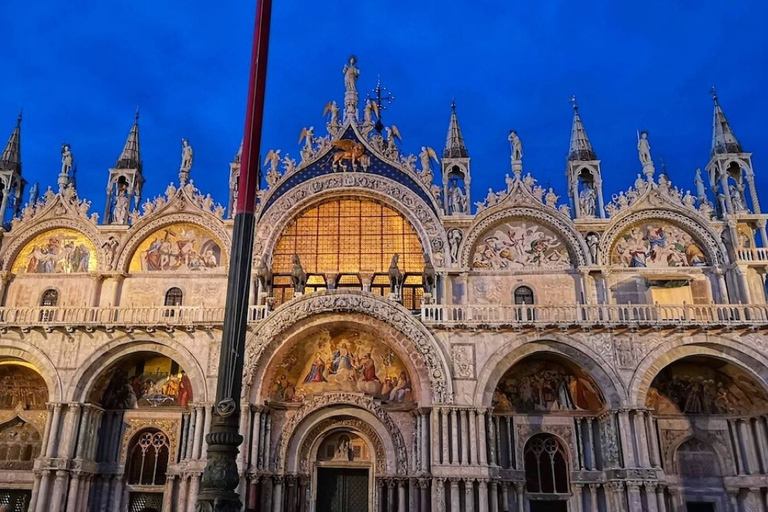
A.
pixel 737 198
pixel 169 427
pixel 644 149
pixel 351 74
pixel 608 442
pixel 626 352
pixel 396 277
pixel 587 199
pixel 273 174
pixel 429 276
pixel 345 423
pixel 516 145
pixel 517 244
pixel 593 241
pixel 658 244
pixel 298 276
pixel 349 151
pixel 454 241
pixel 463 361
pixel 457 200
pixel 186 161
pixel 347 301
pixel 66 159
pixel 324 400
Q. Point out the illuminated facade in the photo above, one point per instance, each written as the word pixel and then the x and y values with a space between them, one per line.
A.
pixel 410 346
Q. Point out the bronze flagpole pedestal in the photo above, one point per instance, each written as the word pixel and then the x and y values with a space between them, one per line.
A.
pixel 218 486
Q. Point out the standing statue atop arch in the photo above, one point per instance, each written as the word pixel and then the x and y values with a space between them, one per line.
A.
pixel 644 149
pixel 517 146
pixel 186 160
pixel 351 74
pixel 66 159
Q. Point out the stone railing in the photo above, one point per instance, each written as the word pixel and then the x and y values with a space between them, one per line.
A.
pixel 598 315
pixel 753 254
pixel 171 316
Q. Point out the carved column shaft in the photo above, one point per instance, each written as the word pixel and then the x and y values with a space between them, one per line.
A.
pixel 627 444
pixel 454 437
pixel 510 446
pixel 194 488
pixel 482 445
pixel 591 445
pixel 469 495
pixel 642 439
pixel 494 496
pixel 654 445
pixel 482 495
pixel 463 415
pixel 435 436
pixel 401 496
pixel 425 445
pixel 473 460
pixel 445 441
pixel 580 444
pixel 53 439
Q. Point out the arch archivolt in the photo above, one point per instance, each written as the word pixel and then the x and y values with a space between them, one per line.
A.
pixel 716 439
pixel 562 227
pixel 505 357
pixel 314 438
pixel 562 433
pixel 26 353
pixel 125 251
pixel 748 358
pixel 415 344
pixel 111 353
pixel 135 425
pixel 20 240
pixel 296 430
pixel 710 240
pixel 413 208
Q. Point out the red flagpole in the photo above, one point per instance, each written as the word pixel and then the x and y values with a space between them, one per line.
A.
pixel 218 490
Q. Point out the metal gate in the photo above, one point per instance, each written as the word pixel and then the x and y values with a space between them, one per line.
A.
pixel 342 490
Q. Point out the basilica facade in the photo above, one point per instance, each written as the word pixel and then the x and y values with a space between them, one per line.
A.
pixel 412 344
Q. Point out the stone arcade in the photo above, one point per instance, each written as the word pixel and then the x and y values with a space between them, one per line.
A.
pixel 600 353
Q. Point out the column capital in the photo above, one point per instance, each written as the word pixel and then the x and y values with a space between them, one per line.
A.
pixel 291 480
pixel 594 487
pixel 391 482
pixel 61 474
pixel 278 479
pixel 423 483
pixel 454 481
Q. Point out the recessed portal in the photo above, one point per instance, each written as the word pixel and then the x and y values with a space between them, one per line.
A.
pixel 549 506
pixel 698 506
pixel 342 490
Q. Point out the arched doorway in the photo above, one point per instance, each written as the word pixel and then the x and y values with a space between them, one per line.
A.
pixel 343 473
pixel 546 474
pixel 710 424
pixel 23 394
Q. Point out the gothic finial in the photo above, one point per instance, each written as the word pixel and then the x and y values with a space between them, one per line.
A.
pixel 21 116
pixel 454 142
pixel 136 117
pixel 573 102
pixel 580 147
pixel 713 93
pixel 10 159
pixel 130 157
pixel 723 138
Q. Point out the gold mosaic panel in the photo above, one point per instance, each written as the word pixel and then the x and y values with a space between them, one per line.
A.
pixel 181 247
pixel 58 251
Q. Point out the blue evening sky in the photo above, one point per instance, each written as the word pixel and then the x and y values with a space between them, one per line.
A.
pixel 80 68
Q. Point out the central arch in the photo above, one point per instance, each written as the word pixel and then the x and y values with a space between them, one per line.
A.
pixel 412 342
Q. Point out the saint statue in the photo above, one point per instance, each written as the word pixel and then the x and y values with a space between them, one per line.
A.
pixel 186 156
pixel 66 159
pixel 351 73
pixel 122 203
pixel 587 202
pixel 737 199
pixel 454 241
pixel 517 146
pixel 34 193
pixel 644 148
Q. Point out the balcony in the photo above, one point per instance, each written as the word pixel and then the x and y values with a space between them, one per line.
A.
pixel 753 254
pixel 714 315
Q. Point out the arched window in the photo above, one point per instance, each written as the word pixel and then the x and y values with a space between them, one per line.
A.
pixel 523 297
pixel 20 445
pixel 50 299
pixel 546 465
pixel 174 297
pixel 696 459
pixel 148 458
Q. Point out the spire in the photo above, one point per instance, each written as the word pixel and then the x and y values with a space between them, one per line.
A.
pixel 239 154
pixel 130 158
pixel 723 139
pixel 11 157
pixel 454 142
pixel 581 148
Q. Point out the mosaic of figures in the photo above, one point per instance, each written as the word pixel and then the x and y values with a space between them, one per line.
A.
pixel 657 245
pixel 146 381
pixel 705 386
pixel 21 387
pixel 517 244
pixel 59 251
pixel 178 247
pixel 343 447
pixel 546 385
pixel 344 360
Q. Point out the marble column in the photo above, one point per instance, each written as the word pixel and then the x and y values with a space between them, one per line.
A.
pixel 642 439
pixel 733 431
pixel 401 504
pixel 650 497
pixel 42 500
pixel 117 497
pixel 454 437
pixel 654 445
pixel 58 491
pixel 482 446
pixel 435 436
pixel 469 495
pixel 194 488
pixel 504 496
pixel 168 495
pixel 277 494
pixel 594 495
pixel 633 494
pixel 439 492
pixel 510 446
pixel 390 495
pixel 625 434
pixel 183 492
pixel 244 429
pixel 35 491
pixel 661 502
pixel 733 495
pixel 424 492
pixel 472 437
pixel 413 495
pixel 464 415
pixel 762 441
pixel 482 494
pixel 591 445
pixel 290 490
pixel 206 430
pixel 749 447
pixel 454 482
pixel 53 439
pixel 255 439
pixel 520 496
pixel 494 498
pixel 425 443
pixel 198 438
pixel 444 431
pixel 580 442
pixel 578 498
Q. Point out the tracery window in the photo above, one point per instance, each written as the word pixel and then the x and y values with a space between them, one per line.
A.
pixel 20 445
pixel 546 465
pixel 349 236
pixel 148 458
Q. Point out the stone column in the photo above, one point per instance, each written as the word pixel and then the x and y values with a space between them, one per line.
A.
pixel 578 500
pixel 435 436
pixel 591 445
pixel 58 491
pixel 510 447
pixel 439 493
pixel 95 291
pixel 290 489
pixel 722 286
pixel 401 505
pixel 504 496
pixel 580 443
pixel 481 444
pixel 168 495
pixel 661 502
pixel 183 492
pixel 520 496
pixel 633 492
pixel 454 493
pixel 413 495
pixel 482 494
pixel 424 492
pixel 206 429
pixel 42 499
pixel 454 438
pixel 425 444
pixel 194 488
pixel 464 414
pixel 733 496
pixel 655 453
pixel 494 499
pixel 35 491
pixel 277 493
pixel 625 434
pixel 749 446
pixel 594 490
pixel 642 439
pixel 244 449
pixel 650 497
pixel 444 428
pixel 472 437
pixel 469 495
pixel 53 439
pixel 390 483
pixel 762 441
pixel 255 438
pixel 676 500
pixel 733 430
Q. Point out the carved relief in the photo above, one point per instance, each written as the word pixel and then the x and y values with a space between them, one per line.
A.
pixel 343 423
pixel 519 244
pixel 657 245
pixel 463 361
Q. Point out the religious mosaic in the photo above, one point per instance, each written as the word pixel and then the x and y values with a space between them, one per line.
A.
pixel 518 244
pixel 21 387
pixel 546 385
pixel 705 386
pixel 343 360
pixel 145 381
pixel 179 247
pixel 343 447
pixel 657 245
pixel 59 251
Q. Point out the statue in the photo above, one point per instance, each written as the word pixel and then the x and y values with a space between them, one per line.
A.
pixel 551 198
pixel 517 146
pixel 457 201
pixel 454 241
pixel 186 156
pixel 395 277
pixel 644 148
pixel 122 203
pixel 298 276
pixel 425 156
pixel 509 181
pixel 351 73
pixel 66 159
pixel 273 159
pixel 33 193
pixel 587 202
pixel 592 242
pixel 737 199
pixel 264 276
pixel 428 276
pixel 109 248
pixel 491 198
pixel 689 200
pixel 640 184
pixel 333 109
pixel 289 164
pixel 368 111
pixel 308 136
